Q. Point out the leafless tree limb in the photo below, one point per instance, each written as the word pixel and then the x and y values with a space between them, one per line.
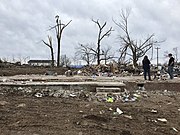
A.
pixel 101 36
pixel 51 48
pixel 59 27
pixel 132 47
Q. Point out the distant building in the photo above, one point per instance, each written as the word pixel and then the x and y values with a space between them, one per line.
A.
pixel 40 62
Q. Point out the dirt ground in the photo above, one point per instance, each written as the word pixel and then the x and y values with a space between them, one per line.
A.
pixel 20 70
pixel 157 113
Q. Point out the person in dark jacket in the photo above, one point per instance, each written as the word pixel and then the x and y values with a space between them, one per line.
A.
pixel 170 66
pixel 146 66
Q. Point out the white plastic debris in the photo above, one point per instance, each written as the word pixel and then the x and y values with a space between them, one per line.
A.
pixel 72 95
pixel 21 105
pixel 162 119
pixel 175 129
pixel 128 116
pixel 4 80
pixel 154 121
pixel 20 88
pixel 23 82
pixel 165 91
pixel 38 95
pixel 119 111
pixel 101 112
pixel 79 72
pixel 137 95
pixel 154 111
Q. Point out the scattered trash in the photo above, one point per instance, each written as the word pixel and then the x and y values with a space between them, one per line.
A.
pixel 68 73
pixel 20 88
pixel 165 91
pixel 28 91
pixel 154 121
pixel 21 105
pixel 175 129
pixel 79 72
pixel 110 109
pixel 119 111
pixel 128 97
pixel 124 96
pixel 23 82
pixel 87 105
pixel 91 109
pixel 101 112
pixel 38 95
pixel 179 109
pixel 72 95
pixel 154 111
pixel 110 99
pixel 4 80
pixel 140 86
pixel 137 95
pixel 162 119
pixel 169 103
pixel 56 94
pixel 128 116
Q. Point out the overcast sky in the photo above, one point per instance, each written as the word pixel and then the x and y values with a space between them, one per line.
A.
pixel 24 23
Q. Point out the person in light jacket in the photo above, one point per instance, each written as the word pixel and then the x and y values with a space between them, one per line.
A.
pixel 170 66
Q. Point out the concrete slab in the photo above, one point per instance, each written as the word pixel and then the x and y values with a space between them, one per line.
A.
pixel 105 84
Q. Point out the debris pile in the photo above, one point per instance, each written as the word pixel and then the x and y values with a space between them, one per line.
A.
pixel 101 70
pixel 125 96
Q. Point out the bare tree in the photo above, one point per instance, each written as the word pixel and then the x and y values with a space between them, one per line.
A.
pixel 59 27
pixel 85 53
pixel 65 61
pixel 166 54
pixel 5 59
pixel 132 47
pixel 101 36
pixel 107 55
pixel 176 53
pixel 51 48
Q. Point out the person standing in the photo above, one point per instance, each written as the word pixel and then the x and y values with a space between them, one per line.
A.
pixel 170 66
pixel 146 66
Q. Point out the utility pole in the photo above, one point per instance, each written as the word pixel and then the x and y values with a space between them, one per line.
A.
pixel 157 55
